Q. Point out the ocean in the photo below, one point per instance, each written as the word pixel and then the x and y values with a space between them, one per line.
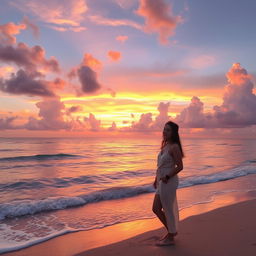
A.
pixel 53 186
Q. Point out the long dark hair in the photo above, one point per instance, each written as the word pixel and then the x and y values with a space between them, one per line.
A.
pixel 175 138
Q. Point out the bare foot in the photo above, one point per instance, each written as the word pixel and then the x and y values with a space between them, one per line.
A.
pixel 167 241
pixel 163 237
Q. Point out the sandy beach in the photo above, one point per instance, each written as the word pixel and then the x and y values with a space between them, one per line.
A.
pixel 225 226
pixel 226 231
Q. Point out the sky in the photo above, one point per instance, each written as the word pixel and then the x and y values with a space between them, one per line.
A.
pixel 103 67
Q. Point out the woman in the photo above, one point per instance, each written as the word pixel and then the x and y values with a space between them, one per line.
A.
pixel 169 164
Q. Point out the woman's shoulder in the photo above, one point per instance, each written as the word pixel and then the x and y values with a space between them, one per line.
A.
pixel 173 147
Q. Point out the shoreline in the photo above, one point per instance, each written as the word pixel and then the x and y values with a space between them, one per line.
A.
pixel 83 241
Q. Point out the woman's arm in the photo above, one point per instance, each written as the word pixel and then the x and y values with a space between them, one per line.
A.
pixel 178 163
pixel 155 183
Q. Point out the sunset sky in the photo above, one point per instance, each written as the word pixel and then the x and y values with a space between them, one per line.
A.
pixel 111 66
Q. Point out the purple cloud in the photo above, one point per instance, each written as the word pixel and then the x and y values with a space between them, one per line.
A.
pixel 88 79
pixel 29 58
pixel 51 113
pixel 23 83
pixel 7 123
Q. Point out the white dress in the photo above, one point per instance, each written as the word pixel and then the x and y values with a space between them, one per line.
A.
pixel 167 191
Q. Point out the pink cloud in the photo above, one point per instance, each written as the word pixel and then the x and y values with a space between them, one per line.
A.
pixel 193 115
pixel 239 101
pixel 122 38
pixel 237 109
pixel 114 22
pixel 162 117
pixel 92 123
pixel 144 123
pixel 147 123
pixel 115 56
pixel 158 18
pixel 113 127
pixel 51 113
pixel 67 14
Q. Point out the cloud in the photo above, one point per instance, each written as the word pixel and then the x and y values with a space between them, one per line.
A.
pixel 5 70
pixel 73 109
pixel 29 58
pixel 113 127
pixel 158 18
pixel 112 92
pixel 57 83
pixel 147 123
pixel 31 25
pixel 122 38
pixel 113 22
pixel 72 73
pixel 144 124
pixel 88 79
pixel 239 102
pixel 63 29
pixel 237 109
pixel 7 123
pixel 51 113
pixel 113 55
pixel 23 83
pixel 91 61
pixel 92 123
pixel 54 115
pixel 162 117
pixel 67 14
pixel 8 32
pixel 193 115
pixel 86 75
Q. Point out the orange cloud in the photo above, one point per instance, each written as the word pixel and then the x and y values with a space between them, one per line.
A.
pixel 90 61
pixel 115 56
pixel 5 70
pixel 121 38
pixel 158 18
pixel 7 32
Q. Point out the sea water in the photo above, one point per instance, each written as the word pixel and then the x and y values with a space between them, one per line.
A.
pixel 53 186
